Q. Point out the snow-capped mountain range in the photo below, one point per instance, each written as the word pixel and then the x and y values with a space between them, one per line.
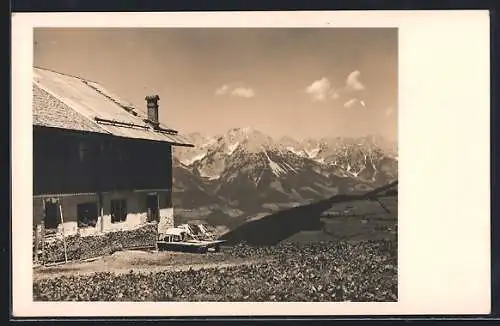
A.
pixel 243 173
pixel 351 157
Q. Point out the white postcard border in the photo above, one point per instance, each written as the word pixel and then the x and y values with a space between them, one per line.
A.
pixel 444 179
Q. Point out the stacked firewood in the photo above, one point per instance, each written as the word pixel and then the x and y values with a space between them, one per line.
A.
pixel 79 247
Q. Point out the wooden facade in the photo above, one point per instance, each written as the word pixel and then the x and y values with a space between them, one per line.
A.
pixel 99 164
pixel 72 162
pixel 103 182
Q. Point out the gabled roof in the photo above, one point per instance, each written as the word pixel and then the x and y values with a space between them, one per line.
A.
pixel 69 102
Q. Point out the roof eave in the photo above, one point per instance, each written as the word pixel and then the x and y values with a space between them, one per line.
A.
pixel 112 135
pixel 182 144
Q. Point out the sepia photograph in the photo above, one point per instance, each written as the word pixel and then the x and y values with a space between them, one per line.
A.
pixel 258 164
pixel 215 164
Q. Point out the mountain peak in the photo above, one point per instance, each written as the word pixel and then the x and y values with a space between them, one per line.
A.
pixel 247 130
pixel 360 157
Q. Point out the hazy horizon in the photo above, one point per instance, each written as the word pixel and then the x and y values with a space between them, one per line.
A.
pixel 278 137
pixel 302 83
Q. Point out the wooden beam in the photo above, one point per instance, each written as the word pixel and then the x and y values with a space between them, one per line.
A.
pixel 152 190
pixel 101 211
pixel 63 235
pixel 119 123
pixel 64 195
pixel 37 240
pixel 42 231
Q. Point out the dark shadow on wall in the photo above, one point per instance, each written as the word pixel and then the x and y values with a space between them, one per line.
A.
pixel 272 229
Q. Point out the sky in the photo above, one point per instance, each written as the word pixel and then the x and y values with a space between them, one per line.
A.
pixel 298 82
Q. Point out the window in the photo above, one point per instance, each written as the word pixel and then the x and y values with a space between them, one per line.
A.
pixel 52 214
pixel 118 210
pixel 87 214
pixel 152 207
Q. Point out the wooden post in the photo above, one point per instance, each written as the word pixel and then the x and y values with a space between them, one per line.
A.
pixel 42 235
pixel 101 211
pixel 37 240
pixel 157 235
pixel 158 217
pixel 42 231
pixel 62 229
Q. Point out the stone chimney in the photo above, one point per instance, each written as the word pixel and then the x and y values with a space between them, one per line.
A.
pixel 152 103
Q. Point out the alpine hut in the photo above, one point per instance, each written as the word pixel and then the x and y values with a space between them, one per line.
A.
pixel 99 164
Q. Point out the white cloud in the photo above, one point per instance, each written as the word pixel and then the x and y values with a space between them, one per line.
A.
pixel 320 89
pixel 353 83
pixel 243 92
pixel 234 90
pixel 353 102
pixel 350 103
pixel 222 90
